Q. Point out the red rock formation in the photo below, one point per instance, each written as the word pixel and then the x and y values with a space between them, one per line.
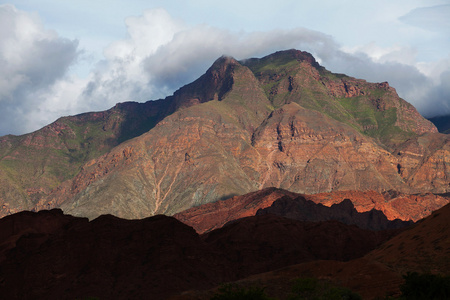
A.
pixel 214 215
pixel 210 216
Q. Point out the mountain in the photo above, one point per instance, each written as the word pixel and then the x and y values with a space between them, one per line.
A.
pixel 373 210
pixel 422 248
pixel 345 212
pixel 49 255
pixel 32 165
pixel 280 121
pixel 210 216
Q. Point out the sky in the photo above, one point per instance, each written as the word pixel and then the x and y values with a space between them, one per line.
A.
pixel 64 57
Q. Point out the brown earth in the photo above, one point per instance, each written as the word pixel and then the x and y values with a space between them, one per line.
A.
pixel 372 280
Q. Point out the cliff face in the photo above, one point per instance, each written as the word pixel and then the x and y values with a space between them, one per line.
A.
pixel 281 121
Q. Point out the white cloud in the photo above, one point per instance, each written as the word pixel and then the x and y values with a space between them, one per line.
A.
pixel 161 54
pixel 32 59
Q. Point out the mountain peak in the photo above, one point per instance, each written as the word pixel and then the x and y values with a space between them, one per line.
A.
pixel 214 84
pixel 224 60
pixel 281 120
pixel 280 58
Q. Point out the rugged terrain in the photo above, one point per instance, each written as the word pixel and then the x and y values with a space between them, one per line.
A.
pixel 49 255
pixel 423 248
pixel 279 121
pixel 340 205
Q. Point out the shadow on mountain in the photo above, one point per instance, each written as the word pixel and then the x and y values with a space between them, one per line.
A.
pixel 141 117
pixel 345 212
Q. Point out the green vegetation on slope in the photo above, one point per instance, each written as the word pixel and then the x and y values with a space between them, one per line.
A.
pixel 295 77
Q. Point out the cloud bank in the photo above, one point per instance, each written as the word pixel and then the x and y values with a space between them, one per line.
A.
pixel 32 59
pixel 161 54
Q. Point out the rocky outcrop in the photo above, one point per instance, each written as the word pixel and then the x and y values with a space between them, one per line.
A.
pixel 368 209
pixel 393 204
pixel 210 216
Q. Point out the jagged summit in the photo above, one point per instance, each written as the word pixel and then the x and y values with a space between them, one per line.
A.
pixel 214 84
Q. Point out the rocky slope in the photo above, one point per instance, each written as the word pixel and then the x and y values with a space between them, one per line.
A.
pixel 32 165
pixel 370 208
pixel 424 247
pixel 210 216
pixel 48 255
pixel 282 121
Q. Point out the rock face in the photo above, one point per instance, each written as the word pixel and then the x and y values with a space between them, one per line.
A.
pixel 32 165
pixel 48 255
pixel 279 121
pixel 370 210
pixel 214 215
